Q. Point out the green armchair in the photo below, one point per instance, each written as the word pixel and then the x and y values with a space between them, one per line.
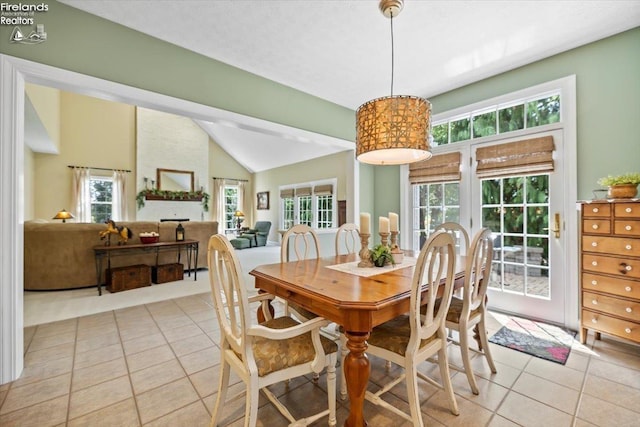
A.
pixel 258 234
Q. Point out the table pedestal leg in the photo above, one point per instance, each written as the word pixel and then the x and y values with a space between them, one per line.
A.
pixel 356 371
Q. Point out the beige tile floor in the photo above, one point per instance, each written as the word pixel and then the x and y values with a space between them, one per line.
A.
pixel 157 364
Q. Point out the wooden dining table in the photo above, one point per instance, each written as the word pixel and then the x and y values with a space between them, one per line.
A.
pixel 355 302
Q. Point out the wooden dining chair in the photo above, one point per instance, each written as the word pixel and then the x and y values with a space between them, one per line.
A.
pixel 257 352
pixel 460 235
pixel 347 239
pixel 413 338
pixel 471 310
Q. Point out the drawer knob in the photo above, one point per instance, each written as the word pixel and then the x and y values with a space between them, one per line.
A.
pixel 596 210
pixel 594 244
pixel 594 282
pixel 628 310
pixel 627 267
pixel 628 247
pixel 594 302
pixel 627 330
pixel 594 226
pixel 627 227
pixel 627 288
pixel 628 210
pixel 594 320
pixel 594 263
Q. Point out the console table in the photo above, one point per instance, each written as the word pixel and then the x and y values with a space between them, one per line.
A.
pixel 190 246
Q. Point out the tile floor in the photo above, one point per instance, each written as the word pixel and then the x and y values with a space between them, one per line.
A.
pixel 157 365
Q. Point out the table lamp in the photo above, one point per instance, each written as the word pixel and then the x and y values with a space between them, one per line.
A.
pixel 63 215
pixel 239 218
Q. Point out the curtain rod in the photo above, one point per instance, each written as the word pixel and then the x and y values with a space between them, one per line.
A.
pixel 230 179
pixel 100 169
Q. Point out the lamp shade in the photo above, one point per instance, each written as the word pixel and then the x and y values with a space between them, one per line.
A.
pixel 63 215
pixel 238 214
pixel 393 130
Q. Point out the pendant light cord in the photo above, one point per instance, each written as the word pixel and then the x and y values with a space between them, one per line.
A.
pixel 392 58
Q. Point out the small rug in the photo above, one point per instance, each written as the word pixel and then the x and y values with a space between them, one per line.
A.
pixel 538 339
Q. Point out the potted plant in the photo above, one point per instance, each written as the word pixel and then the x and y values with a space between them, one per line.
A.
pixel 381 255
pixel 623 186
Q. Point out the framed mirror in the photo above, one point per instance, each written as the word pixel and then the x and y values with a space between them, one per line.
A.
pixel 174 180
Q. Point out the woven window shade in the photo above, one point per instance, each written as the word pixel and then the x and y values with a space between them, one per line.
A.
pixel 287 194
pixel 516 158
pixel 439 168
pixel 303 191
pixel 323 190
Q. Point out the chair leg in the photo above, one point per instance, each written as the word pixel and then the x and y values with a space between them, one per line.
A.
pixel 331 392
pixel 412 394
pixel 222 393
pixel 443 362
pixel 343 354
pixel 482 331
pixel 252 401
pixel 466 359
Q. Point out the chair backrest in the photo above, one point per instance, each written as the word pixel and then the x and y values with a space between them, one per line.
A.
pixel 300 239
pixel 459 235
pixel 477 271
pixel 263 226
pixel 347 238
pixel 229 294
pixel 435 268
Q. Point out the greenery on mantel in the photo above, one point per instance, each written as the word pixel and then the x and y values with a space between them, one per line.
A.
pixel 186 196
pixel 624 179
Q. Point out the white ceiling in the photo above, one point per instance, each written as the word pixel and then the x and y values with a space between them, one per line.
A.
pixel 340 50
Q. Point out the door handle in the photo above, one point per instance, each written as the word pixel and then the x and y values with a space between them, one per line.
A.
pixel 556 225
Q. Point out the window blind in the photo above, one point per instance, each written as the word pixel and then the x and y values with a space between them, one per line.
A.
pixel 439 168
pixel 516 158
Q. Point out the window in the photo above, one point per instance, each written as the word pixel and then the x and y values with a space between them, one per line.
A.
pixel 535 111
pixel 230 206
pixel 101 189
pixel 433 204
pixel 311 203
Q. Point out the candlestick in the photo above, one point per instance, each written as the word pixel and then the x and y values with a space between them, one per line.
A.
pixel 393 221
pixel 383 224
pixel 384 239
pixel 365 223
pixel 365 254
pixel 394 240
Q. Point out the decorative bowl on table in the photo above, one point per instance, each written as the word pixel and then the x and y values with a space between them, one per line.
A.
pixel 150 237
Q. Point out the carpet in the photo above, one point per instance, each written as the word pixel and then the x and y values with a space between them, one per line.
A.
pixel 538 339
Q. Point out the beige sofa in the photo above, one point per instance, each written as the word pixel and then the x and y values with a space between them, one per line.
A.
pixel 61 256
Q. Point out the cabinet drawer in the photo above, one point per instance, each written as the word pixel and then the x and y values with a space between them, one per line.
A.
pixel 627 210
pixel 627 228
pixel 609 265
pixel 600 210
pixel 611 285
pixel 619 307
pixel 611 325
pixel 596 226
pixel 611 245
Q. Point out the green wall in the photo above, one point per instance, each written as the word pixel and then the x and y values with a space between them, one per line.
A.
pixel 84 43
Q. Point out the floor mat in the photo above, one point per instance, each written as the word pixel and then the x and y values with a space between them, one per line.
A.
pixel 536 338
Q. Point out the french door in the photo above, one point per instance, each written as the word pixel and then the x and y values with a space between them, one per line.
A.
pixel 526 214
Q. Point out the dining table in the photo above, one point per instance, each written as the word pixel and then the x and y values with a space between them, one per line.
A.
pixel 356 298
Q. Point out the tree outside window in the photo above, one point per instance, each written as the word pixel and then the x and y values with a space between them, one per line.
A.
pixel 101 199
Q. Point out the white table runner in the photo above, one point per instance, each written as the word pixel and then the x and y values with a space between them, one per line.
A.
pixel 352 267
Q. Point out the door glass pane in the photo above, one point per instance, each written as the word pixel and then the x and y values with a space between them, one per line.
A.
pixel 538 189
pixel 433 204
pixel 490 191
pixel 513 190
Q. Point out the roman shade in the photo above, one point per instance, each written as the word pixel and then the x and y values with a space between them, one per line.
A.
pixel 523 157
pixel 303 191
pixel 323 190
pixel 287 193
pixel 439 168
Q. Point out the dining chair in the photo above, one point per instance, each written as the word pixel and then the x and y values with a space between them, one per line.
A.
pixel 459 233
pixel 273 351
pixel 347 239
pixel 471 310
pixel 413 338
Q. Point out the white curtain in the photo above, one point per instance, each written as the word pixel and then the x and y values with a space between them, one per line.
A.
pixel 241 193
pixel 119 196
pixel 217 203
pixel 81 194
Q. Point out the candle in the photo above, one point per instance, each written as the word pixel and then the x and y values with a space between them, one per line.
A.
pixel 365 223
pixel 393 221
pixel 383 224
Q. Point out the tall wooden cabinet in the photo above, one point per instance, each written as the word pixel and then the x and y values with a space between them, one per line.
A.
pixel 610 273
